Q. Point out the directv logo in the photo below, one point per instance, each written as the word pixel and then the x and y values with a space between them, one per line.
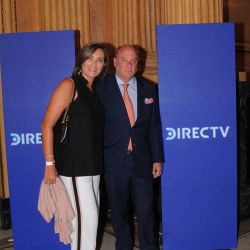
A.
pixel 197 132
pixel 25 138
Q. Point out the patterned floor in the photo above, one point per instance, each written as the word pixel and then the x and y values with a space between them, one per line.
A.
pixel 244 242
pixel 107 239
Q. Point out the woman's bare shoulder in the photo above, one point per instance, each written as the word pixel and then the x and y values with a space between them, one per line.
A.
pixel 64 86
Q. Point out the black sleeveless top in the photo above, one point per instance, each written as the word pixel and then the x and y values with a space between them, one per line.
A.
pixel 82 154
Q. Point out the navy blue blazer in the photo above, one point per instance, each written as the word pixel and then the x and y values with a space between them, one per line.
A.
pixel 146 134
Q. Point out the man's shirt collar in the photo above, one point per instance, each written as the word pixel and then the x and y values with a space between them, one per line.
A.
pixel 131 82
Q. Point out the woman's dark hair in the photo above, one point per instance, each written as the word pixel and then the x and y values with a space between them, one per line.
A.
pixel 85 53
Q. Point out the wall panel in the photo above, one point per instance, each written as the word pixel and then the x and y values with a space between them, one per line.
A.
pixel 115 22
pixel 67 14
pixel 135 21
pixel 130 21
pixel 4 187
pixel 237 11
pixel 8 22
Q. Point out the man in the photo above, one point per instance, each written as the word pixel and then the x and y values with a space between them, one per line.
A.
pixel 133 151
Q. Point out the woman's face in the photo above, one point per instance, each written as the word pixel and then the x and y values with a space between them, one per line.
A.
pixel 93 66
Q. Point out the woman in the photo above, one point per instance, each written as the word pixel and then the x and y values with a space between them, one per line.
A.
pixel 79 161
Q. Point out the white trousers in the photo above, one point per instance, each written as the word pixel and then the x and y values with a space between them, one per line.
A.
pixel 83 192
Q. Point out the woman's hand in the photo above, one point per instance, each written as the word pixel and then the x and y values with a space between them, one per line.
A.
pixel 50 175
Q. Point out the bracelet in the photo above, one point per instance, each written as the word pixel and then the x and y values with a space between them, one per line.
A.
pixel 49 163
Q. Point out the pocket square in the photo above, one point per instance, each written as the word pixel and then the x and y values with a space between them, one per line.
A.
pixel 148 100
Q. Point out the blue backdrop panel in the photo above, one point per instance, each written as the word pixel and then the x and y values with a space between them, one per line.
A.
pixel 32 64
pixel 198 108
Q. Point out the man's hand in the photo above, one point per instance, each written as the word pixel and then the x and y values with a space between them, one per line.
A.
pixel 157 169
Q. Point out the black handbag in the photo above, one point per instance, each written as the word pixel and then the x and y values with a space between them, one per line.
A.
pixel 63 125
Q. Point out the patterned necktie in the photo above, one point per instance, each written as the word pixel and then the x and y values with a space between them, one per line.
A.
pixel 130 110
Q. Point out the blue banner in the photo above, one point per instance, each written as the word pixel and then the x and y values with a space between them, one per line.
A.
pixel 32 64
pixel 197 89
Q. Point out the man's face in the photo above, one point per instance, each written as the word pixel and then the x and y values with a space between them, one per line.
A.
pixel 126 63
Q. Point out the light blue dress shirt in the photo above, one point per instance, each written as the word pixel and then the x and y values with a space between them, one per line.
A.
pixel 132 91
